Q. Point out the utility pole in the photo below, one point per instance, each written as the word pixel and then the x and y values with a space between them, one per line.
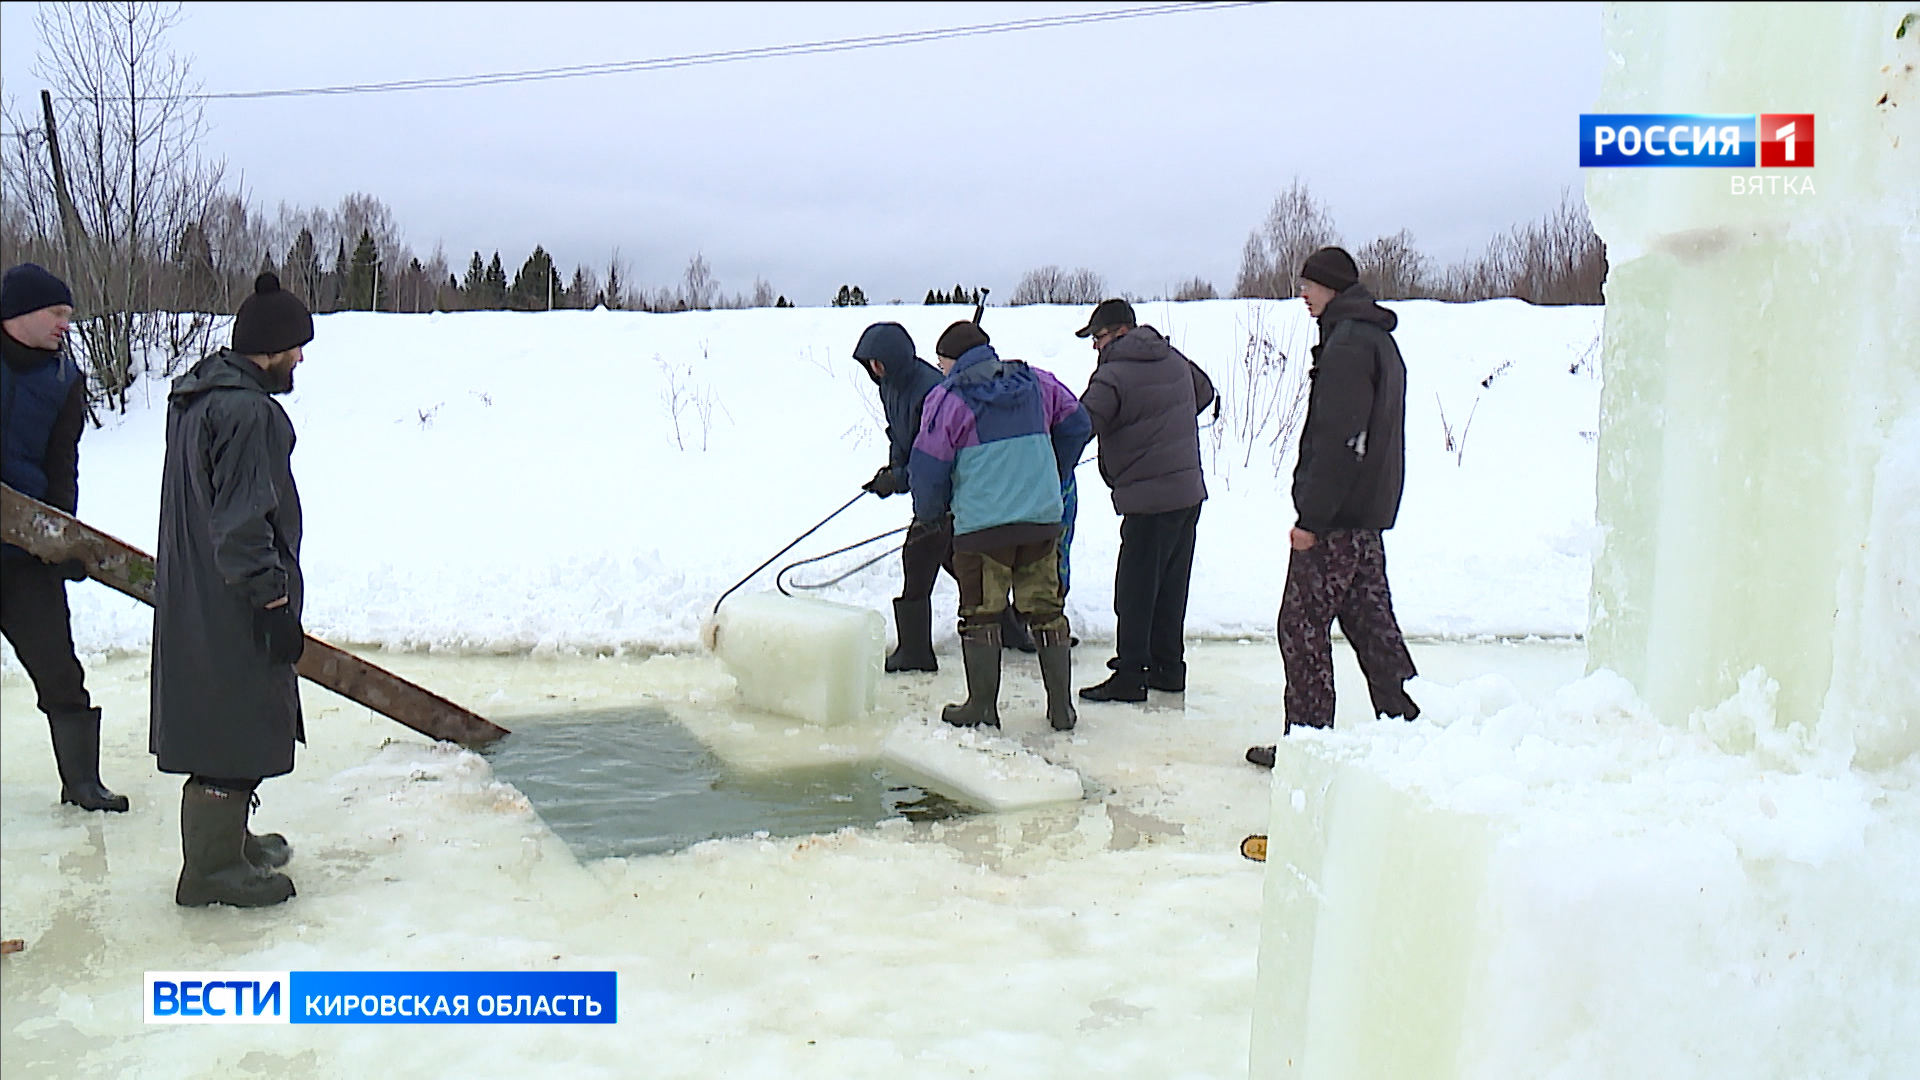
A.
pixel 70 228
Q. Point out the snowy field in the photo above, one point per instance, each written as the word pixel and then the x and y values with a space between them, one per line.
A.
pixel 497 481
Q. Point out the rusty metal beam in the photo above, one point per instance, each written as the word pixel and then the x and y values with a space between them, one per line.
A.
pixel 57 536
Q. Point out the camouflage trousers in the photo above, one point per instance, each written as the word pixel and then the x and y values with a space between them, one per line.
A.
pixel 1344 577
pixel 1029 572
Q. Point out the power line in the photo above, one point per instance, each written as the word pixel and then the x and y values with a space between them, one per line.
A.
pixel 660 63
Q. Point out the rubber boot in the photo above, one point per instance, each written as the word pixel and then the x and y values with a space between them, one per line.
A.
pixel 1013 631
pixel 269 851
pixel 980 649
pixel 215 870
pixel 1056 674
pixel 76 750
pixel 913 630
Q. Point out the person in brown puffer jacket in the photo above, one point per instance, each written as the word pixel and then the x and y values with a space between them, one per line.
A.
pixel 1144 399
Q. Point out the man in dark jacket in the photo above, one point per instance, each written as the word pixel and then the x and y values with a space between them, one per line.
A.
pixel 1144 398
pixel 1346 492
pixel 996 440
pixel 227 600
pixel 886 352
pixel 43 408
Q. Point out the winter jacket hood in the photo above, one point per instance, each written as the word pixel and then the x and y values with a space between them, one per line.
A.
pixel 903 389
pixel 224 370
pixel 1352 461
pixel 1142 400
pixel 998 439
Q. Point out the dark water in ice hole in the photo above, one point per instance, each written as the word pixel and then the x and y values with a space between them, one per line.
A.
pixel 633 782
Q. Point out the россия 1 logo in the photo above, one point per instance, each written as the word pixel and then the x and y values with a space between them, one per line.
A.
pixel 1696 140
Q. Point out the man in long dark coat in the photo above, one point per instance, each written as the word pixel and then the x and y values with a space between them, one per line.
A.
pixel 227 600
pixel 43 409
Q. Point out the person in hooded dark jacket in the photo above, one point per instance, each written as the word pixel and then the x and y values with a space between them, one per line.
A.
pixel 43 409
pixel 887 354
pixel 228 595
pixel 1144 398
pixel 1346 491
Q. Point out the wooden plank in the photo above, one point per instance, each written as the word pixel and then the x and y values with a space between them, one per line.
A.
pixel 57 536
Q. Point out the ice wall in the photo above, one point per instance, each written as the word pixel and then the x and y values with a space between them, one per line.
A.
pixel 1759 457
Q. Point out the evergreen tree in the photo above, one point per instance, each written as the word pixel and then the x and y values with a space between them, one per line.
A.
pixel 783 302
pixel 302 275
pixel 366 289
pixel 475 285
pixel 335 280
pixel 493 293
pixel 930 301
pixel 857 298
pixel 843 298
pixel 537 287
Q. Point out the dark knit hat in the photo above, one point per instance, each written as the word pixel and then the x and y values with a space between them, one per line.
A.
pixel 1109 313
pixel 27 288
pixel 270 321
pixel 1332 267
pixel 958 338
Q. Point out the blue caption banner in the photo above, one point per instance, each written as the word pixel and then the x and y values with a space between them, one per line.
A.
pixel 453 997
pixel 1667 140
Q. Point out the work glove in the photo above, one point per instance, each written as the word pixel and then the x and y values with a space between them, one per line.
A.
pixel 71 569
pixel 278 631
pixel 885 482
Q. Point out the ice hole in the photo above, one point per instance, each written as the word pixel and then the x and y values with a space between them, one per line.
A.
pixel 633 781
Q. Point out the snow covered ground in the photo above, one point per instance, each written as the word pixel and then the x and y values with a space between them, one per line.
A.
pixel 500 481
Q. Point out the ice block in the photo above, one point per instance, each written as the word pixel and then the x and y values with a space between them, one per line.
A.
pixel 809 659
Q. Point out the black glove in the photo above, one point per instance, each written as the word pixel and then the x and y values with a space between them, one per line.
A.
pixel 71 569
pixel 277 630
pixel 885 482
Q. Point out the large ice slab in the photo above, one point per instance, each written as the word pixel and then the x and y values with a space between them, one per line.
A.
pixel 1580 891
pixel 978 767
pixel 1759 451
pixel 809 659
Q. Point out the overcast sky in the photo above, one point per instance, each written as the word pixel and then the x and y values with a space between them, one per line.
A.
pixel 1145 149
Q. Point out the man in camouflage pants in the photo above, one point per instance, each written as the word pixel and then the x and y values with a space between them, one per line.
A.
pixel 1346 492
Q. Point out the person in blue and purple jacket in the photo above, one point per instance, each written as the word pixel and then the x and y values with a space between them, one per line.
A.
pixel 997 438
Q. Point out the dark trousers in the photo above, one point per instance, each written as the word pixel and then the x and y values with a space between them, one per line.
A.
pixel 927 550
pixel 1150 580
pixel 1029 572
pixel 34 617
pixel 1344 577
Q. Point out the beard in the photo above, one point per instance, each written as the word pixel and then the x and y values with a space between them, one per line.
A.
pixel 280 376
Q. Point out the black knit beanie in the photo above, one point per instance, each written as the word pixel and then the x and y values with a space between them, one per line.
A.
pixel 958 338
pixel 1332 267
pixel 270 321
pixel 28 288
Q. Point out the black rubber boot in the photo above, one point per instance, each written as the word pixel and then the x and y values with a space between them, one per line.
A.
pixel 76 750
pixel 980 649
pixel 268 851
pixel 1013 631
pixel 913 630
pixel 1130 686
pixel 1056 674
pixel 215 870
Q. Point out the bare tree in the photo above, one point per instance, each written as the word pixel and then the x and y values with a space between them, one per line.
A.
pixel 1557 259
pixel 584 290
pixel 1196 288
pixel 129 134
pixel 698 288
pixel 763 294
pixel 1392 269
pixel 1296 226
pixel 1052 285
